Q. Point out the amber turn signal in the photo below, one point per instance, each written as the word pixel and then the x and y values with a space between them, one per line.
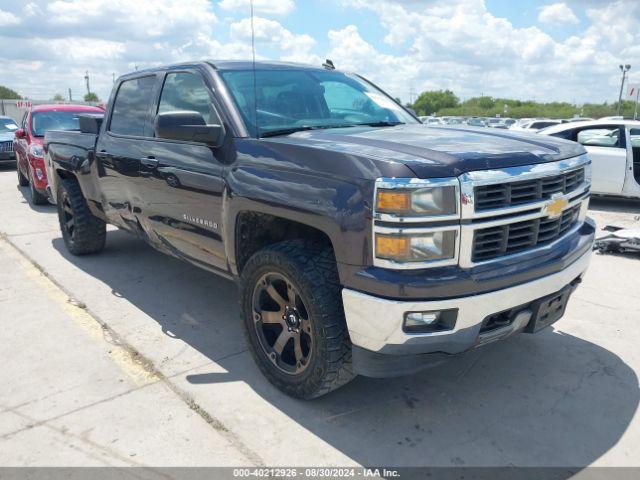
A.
pixel 393 201
pixel 391 246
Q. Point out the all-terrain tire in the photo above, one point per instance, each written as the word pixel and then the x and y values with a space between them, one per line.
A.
pixel 22 180
pixel 311 267
pixel 36 198
pixel 83 233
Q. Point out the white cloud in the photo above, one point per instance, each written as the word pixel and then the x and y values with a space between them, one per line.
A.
pixel 421 44
pixel 267 7
pixel 557 14
pixel 272 34
pixel 461 45
pixel 8 18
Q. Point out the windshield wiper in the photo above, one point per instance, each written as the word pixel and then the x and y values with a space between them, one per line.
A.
pixel 288 131
pixel 379 124
pixel 302 128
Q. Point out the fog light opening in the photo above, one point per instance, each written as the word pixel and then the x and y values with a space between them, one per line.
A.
pixel 429 321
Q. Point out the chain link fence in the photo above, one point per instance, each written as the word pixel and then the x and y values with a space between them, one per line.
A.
pixel 15 108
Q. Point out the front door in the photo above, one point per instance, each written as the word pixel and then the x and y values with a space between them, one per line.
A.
pixel 607 150
pixel 182 184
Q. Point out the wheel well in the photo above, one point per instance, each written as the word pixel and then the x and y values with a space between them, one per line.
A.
pixel 255 231
pixel 64 173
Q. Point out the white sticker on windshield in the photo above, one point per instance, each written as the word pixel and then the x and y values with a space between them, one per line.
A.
pixel 11 126
pixel 381 100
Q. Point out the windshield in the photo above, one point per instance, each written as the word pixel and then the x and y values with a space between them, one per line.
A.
pixel 42 122
pixel 292 100
pixel 7 125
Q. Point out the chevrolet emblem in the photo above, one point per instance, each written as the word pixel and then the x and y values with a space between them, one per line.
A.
pixel 555 207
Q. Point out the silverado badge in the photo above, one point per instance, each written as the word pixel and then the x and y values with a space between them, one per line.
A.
pixel 556 206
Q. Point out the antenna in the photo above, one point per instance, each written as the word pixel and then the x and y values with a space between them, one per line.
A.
pixel 255 88
pixel 328 64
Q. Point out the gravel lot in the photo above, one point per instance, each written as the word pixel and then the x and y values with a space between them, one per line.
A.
pixel 134 358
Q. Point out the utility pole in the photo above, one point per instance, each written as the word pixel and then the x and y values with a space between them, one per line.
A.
pixel 86 79
pixel 624 69
pixel 113 75
pixel 70 99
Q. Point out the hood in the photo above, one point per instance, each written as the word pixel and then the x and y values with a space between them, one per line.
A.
pixel 6 136
pixel 439 151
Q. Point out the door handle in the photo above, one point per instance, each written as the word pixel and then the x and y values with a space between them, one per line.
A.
pixel 149 162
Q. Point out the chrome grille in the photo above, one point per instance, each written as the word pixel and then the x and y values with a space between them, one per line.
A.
pixel 493 242
pixel 6 146
pixel 489 197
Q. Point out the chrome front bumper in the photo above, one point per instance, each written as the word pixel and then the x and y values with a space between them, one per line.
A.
pixel 375 324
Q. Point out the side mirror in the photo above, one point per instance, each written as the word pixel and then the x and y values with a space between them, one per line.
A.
pixel 20 133
pixel 187 126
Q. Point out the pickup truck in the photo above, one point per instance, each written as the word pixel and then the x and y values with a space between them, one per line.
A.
pixel 362 241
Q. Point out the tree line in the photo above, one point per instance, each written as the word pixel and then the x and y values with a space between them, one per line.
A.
pixel 446 103
pixel 9 94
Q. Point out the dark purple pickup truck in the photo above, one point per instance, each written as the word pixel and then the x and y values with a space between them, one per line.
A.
pixel 363 242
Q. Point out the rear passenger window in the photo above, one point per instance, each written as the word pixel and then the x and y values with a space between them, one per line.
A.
pixel 187 91
pixel 131 107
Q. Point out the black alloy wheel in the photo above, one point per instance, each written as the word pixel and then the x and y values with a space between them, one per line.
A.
pixel 282 323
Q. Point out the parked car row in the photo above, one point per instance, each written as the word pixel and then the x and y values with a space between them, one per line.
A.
pixel 524 124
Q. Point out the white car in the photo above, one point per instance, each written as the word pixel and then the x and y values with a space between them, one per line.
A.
pixel 614 148
pixel 431 120
pixel 535 125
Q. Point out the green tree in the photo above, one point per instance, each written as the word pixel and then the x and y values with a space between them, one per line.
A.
pixel 434 101
pixel 58 98
pixel 9 94
pixel 91 97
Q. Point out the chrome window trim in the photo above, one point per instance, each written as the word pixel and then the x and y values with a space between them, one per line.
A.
pixel 407 183
pixel 385 263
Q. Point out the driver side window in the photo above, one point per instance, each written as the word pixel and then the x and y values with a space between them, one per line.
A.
pixel 187 91
pixel 600 137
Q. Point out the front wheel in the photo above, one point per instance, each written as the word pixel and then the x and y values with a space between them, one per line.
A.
pixel 83 233
pixel 294 319
pixel 36 197
pixel 22 180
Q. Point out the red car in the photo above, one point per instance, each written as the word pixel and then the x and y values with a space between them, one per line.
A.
pixel 28 139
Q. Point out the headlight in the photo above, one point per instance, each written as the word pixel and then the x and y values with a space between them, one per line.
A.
pixel 587 172
pixel 417 198
pixel 36 151
pixel 433 206
pixel 419 247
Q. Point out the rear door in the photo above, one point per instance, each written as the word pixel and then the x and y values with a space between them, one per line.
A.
pixel 182 183
pixel 608 151
pixel 120 148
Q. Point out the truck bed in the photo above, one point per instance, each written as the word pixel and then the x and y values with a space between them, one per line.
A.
pixel 69 149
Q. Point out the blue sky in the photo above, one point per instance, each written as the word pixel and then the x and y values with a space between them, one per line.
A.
pixel 546 50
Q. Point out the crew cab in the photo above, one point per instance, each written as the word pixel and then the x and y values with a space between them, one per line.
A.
pixel 362 241
pixel 614 149
pixel 28 140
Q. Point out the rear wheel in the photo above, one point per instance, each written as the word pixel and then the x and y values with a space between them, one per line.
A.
pixel 83 233
pixel 294 318
pixel 36 197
